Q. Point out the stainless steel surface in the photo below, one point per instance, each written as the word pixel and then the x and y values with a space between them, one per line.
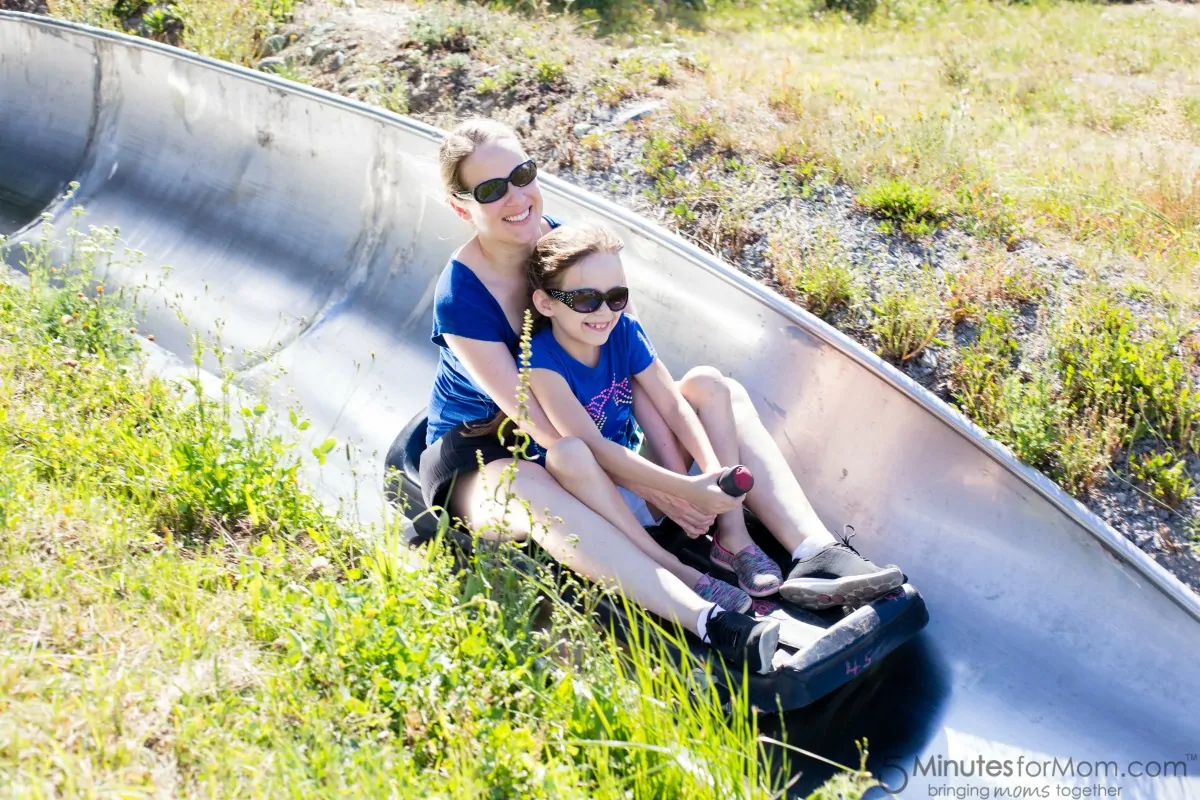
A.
pixel 313 229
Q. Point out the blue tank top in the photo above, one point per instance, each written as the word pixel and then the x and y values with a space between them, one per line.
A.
pixel 463 306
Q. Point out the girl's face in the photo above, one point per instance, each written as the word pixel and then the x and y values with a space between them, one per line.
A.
pixel 516 218
pixel 601 271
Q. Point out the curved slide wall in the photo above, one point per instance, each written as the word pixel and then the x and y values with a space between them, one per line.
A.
pixel 311 229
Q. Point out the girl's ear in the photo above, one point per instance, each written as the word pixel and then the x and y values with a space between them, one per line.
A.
pixel 543 303
pixel 460 209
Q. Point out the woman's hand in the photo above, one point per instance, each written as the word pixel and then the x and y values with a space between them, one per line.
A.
pixel 694 522
pixel 704 493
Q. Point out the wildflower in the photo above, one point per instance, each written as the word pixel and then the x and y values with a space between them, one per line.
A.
pixel 133 331
pixel 891 129
pixel 903 84
pixel 878 132
pixel 370 613
pixel 839 96
pixel 920 115
pixel 99 290
pixel 943 115
pixel 877 81
pixel 66 319
pixel 66 509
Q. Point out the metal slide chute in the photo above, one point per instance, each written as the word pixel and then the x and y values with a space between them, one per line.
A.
pixel 311 229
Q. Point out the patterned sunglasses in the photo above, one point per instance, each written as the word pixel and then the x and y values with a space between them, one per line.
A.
pixel 585 301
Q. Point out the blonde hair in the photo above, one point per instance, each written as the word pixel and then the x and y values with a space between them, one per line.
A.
pixel 464 140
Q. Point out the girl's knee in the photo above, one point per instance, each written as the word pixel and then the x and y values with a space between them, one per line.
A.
pixel 569 456
pixel 704 384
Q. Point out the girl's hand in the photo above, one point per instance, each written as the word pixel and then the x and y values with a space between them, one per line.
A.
pixel 707 497
pixel 694 522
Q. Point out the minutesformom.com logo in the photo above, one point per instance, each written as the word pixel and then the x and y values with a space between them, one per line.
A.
pixel 895 775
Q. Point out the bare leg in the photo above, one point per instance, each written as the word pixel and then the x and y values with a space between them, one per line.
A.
pixel 739 437
pixel 573 465
pixel 576 537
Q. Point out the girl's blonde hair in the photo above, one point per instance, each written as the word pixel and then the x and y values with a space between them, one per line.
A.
pixel 464 140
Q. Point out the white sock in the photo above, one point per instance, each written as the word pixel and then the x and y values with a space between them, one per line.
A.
pixel 702 622
pixel 813 545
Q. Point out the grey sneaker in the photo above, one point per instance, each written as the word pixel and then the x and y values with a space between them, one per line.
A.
pixel 837 575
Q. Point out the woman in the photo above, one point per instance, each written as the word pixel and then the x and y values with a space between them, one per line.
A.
pixel 479 306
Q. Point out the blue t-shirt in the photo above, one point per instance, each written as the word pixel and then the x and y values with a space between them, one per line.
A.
pixel 606 390
pixel 463 306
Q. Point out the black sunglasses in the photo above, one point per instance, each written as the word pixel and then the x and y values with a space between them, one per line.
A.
pixel 585 301
pixel 493 189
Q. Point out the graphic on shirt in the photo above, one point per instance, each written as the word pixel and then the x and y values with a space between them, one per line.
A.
pixel 621 395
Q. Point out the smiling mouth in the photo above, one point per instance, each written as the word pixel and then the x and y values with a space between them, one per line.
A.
pixel 519 218
pixel 599 327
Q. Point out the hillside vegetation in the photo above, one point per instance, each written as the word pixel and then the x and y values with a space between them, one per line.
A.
pixel 178 616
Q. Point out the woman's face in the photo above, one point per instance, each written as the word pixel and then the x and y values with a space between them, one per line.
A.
pixel 515 218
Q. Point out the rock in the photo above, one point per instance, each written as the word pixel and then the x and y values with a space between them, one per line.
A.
pixel 273 44
pixel 368 85
pixel 322 28
pixel 320 51
pixel 927 360
pixel 25 6
pixel 583 129
pixel 272 63
pixel 639 111
pixel 339 58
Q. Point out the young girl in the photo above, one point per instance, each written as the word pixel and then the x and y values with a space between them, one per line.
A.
pixel 585 363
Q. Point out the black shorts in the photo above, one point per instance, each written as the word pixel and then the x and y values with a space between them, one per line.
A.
pixel 454 454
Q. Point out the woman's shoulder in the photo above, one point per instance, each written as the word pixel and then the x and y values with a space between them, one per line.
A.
pixel 457 279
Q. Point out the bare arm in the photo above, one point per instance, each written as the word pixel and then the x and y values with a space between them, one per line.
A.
pixel 492 366
pixel 571 419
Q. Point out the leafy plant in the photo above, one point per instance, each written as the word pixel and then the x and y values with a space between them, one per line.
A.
pixel 905 204
pixel 396 98
pixel 817 274
pixel 1109 365
pixel 1165 476
pixel 1085 449
pixel 549 70
pixel 906 320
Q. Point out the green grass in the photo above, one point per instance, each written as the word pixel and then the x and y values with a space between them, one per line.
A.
pixel 817 274
pixel 180 617
pixel 912 209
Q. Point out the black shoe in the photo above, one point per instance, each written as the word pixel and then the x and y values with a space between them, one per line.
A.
pixel 743 639
pixel 836 576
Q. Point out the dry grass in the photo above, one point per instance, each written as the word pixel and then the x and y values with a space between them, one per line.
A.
pixel 1085 117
